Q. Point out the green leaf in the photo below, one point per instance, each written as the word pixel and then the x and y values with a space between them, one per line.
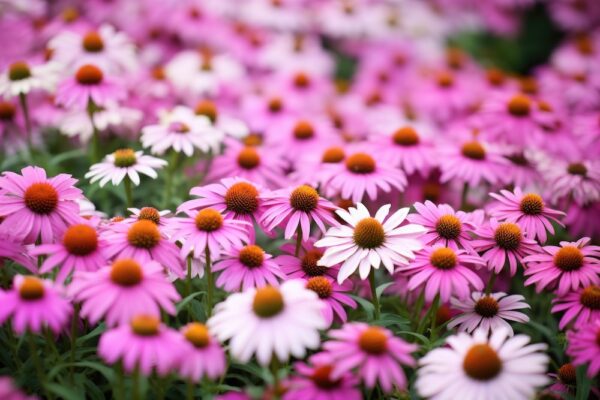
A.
pixel 96 332
pixel 379 290
pixel 365 305
pixel 68 155
pixel 64 392
pixel 584 384
pixel 422 338
pixel 186 300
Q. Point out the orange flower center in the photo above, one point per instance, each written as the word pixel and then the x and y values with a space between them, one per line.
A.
pixel 304 130
pixel 208 109
pixel 304 198
pixel 89 75
pixel 432 191
pixel 487 307
pixel 248 158
pixel 80 239
pixel 69 15
pixel 443 258
pixel 584 45
pixel 18 71
pixel 143 234
pixel 209 220
pixel 275 105
pixel 333 155
pixel 590 297
pixel 31 288
pixel 369 233
pixel 124 158
pixel 253 140
pixel 473 150
pixel 197 334
pixel 301 80
pixel 519 105
pixel 455 58
pixel 242 198
pixel 252 256
pixel 532 204
pixel 321 286
pixel 445 79
pixel 373 340
pixel 150 214
pixel 567 374
pixel 268 302
pixel 309 263
pixel 92 42
pixel 482 363
pixel 406 136
pixel 448 226
pixel 495 77
pixel 126 272
pixel 41 198
pixel 360 163
pixel 7 111
pixel 568 258
pixel 321 377
pixel 145 325
pixel 508 236
pixel 577 169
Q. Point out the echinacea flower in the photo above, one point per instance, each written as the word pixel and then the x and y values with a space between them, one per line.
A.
pixel 34 206
pixel 373 351
pixel 583 346
pixel 88 86
pixel 150 214
pixel 296 208
pixel 528 210
pixel 578 180
pixel 22 78
pixel 80 249
pixel 34 304
pixel 269 322
pixel 124 163
pixel 143 344
pixel 204 357
pixel 488 312
pixel 333 295
pixel 563 268
pixel 12 248
pixel 370 242
pixel 477 367
pixel 306 265
pixel 247 267
pixel 581 306
pixel 122 290
pixel 444 272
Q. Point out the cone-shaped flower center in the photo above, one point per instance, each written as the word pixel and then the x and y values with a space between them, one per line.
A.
pixel 209 220
pixel 304 130
pixel 124 158
pixel 69 14
pixel 143 234
pixel 445 79
pixel 568 258
pixel 443 258
pixel 197 334
pixel 432 191
pixel 309 263
pixel 18 71
pixel 252 256
pixel 487 306
pixel 518 159
pixel 590 297
pixel 369 233
pixel 149 214
pixel 301 80
pixel 242 198
pixel 248 158
pixel 41 198
pixel 528 85
pixel 80 239
pixel 89 75
pixel 519 105
pixel 253 140
pixel 567 374
pixel 92 42
pixel 473 150
pixel 532 204
pixel 275 105
pixel 333 155
pixel 126 272
pixel 406 136
pixel 145 325
pixel 7 111
pixel 373 340
pixel 360 163
pixel 321 286
pixel 508 236
pixel 304 198
pixel 208 109
pixel 31 288
pixel 179 127
pixel 482 362
pixel 321 377
pixel 448 226
pixel 577 169
pixel 268 302
pixel 495 77
pixel 455 58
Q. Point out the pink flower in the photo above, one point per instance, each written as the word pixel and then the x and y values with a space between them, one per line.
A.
pixel 374 351
pixel 570 266
pixel 150 214
pixel 88 85
pixel 34 206
pixel 33 304
pixel 443 271
pixel 584 346
pixel 122 290
pixel 579 180
pixel 204 356
pixel 581 306
pixel 247 267
pixel 333 295
pixel 304 266
pixel 143 344
pixel 528 210
pixel 9 391
pixel 584 220
pixel 12 249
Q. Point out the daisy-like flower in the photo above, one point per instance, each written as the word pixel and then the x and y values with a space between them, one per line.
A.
pixel 270 322
pixel 580 307
pixel 580 180
pixel 13 249
pixel 333 295
pixel 150 214
pixel 88 85
pixel 528 210
pixel 315 381
pixel 247 267
pixel 143 241
pixel 563 268
pixel 477 367
pixel 80 250
pixel 584 346
pixel 374 351
pixel 34 206
pixel 122 290
pixel 207 231
pixel 144 344
pixel 501 241
pixel 488 312
pixel 21 78
pixel 306 265
pixel 444 225
pixel 370 242
pixel 204 357
pixel 443 271
pixel 124 163
pixel 296 208
pixel 34 304
pixel 183 131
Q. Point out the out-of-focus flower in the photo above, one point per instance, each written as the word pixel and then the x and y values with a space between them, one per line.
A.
pixel 124 164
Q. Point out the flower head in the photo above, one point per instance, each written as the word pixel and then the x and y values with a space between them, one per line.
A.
pixel 581 306
pixel 583 346
pixel 124 163
pixel 205 357
pixel 88 86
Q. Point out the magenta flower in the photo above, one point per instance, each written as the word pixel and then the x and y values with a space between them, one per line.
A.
pixel 34 206
pixel 247 267
pixel 150 214
pixel 374 351
pixel 204 356
pixel 306 265
pixel 88 85
pixel 581 306
pixel 34 304
pixel 296 208
pixel 9 391
pixel 143 344
pixel 584 346
pixel 503 241
pixel 122 290
pixel 570 266
pixel 333 295
pixel 12 249
pixel 579 180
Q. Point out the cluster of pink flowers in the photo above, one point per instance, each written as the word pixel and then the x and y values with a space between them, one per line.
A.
pixel 381 233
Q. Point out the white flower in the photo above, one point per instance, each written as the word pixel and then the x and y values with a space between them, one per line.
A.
pixel 270 321
pixel 22 78
pixel 369 242
pixel 475 367
pixel 122 163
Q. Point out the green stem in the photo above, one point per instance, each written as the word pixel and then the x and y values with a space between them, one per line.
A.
pixel 298 242
pixel 14 345
pixel 209 283
pixel 418 305
pixel 25 108
pixel 465 194
pixel 275 373
pixel 135 384
pixel 173 161
pixel 188 285
pixel 74 323
pixel 119 389
pixel 189 393
pixel 428 315
pixel 374 298
pixel 434 308
pixel 128 192
pixel 490 284
pixel 39 368
pixel 95 133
